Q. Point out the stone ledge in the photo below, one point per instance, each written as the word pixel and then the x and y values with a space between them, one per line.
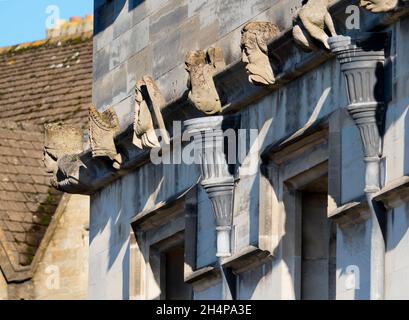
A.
pixel 395 193
pixel 203 274
pixel 293 145
pixel 351 213
pixel 160 213
pixel 246 259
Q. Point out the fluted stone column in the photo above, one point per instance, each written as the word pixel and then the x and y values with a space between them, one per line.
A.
pixel 216 179
pixel 362 63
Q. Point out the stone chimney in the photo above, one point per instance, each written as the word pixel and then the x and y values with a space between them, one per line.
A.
pixel 76 26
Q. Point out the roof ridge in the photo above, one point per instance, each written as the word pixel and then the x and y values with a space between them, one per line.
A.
pixel 57 41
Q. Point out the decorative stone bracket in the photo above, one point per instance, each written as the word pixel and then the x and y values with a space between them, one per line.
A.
pixel 217 181
pixel 362 63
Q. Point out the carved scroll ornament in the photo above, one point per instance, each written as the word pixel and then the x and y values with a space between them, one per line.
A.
pixel 102 129
pixel 202 66
pixel 60 139
pixel 254 40
pixel 148 117
pixel 314 18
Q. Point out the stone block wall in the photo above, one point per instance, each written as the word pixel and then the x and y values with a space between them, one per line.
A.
pixel 134 38
pixel 63 270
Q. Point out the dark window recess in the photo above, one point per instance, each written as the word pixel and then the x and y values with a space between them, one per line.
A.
pixel 175 287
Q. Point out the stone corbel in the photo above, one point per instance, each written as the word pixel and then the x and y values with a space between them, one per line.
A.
pixel 313 19
pixel 148 122
pixel 362 61
pixel 246 259
pixel 202 66
pixel 59 140
pixel 102 129
pixel 81 173
pixel 254 40
pixel 218 182
pixel 394 194
pixel 352 213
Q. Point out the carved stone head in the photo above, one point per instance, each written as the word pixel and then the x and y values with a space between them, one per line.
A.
pixel 60 140
pixel 312 24
pixel 102 128
pixel 254 40
pixel 202 66
pixel 148 117
pixel 377 6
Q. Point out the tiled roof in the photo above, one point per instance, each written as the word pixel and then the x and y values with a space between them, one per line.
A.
pixel 40 82
pixel 27 202
pixel 47 81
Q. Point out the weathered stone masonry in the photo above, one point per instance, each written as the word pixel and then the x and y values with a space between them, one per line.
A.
pixel 325 201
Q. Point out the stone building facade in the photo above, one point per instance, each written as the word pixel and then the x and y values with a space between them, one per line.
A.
pixel 315 208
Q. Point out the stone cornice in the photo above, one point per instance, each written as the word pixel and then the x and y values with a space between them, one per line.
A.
pixel 395 193
pixel 246 259
pixel 203 274
pixel 154 216
pixel 235 91
pixel 351 213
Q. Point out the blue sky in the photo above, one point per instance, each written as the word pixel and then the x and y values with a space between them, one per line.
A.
pixel 25 20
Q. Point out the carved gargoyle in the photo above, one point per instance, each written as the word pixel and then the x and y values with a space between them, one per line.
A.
pixel 60 139
pixel 314 19
pixel 202 66
pixel 102 129
pixel 78 173
pixel 377 6
pixel 62 146
pixel 148 116
pixel 254 41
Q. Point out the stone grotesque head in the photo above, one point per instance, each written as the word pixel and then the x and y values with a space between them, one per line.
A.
pixel 60 140
pixel 314 19
pixel 377 6
pixel 254 41
pixel 103 126
pixel 202 66
pixel 148 117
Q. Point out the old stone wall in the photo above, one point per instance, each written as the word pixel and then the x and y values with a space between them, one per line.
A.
pixel 134 38
pixel 62 272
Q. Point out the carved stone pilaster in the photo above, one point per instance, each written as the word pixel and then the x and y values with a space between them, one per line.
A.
pixel 362 63
pixel 378 6
pixel 216 178
pixel 103 126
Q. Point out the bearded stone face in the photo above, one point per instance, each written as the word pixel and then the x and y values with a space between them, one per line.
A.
pixel 254 55
pixel 257 66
